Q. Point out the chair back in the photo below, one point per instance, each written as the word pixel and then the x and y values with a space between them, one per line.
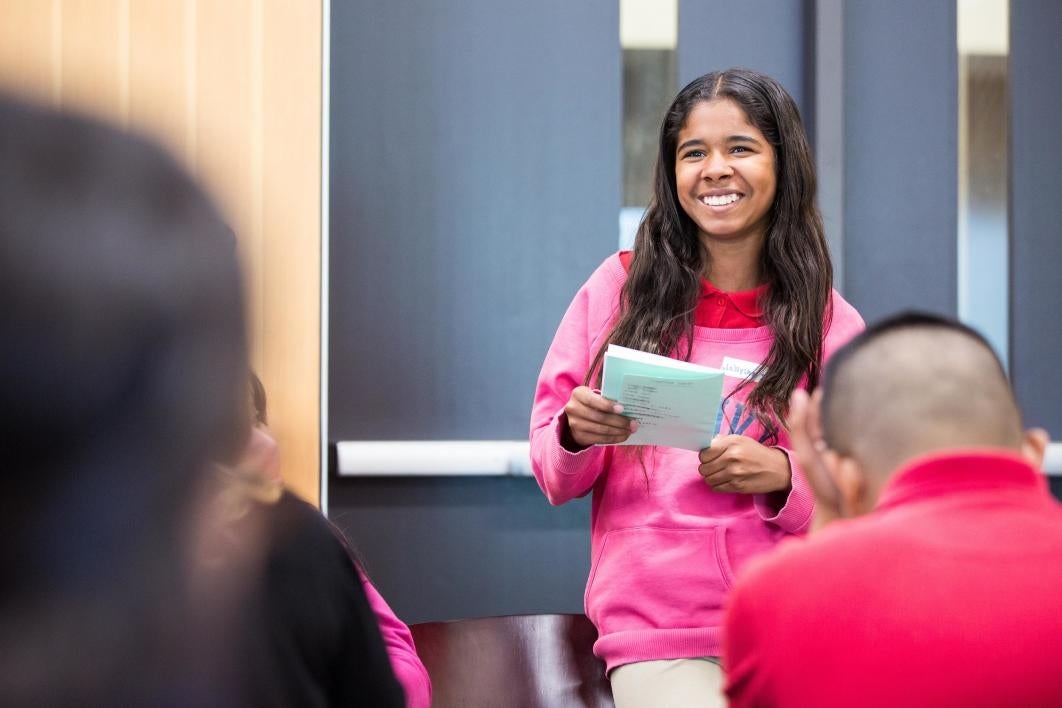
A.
pixel 523 661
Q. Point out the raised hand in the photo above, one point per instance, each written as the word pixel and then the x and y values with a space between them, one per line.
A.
pixel 805 434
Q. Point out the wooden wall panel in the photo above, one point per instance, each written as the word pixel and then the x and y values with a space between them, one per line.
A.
pixel 291 219
pixel 224 123
pixel 28 40
pixel 161 50
pixel 94 57
pixel 233 88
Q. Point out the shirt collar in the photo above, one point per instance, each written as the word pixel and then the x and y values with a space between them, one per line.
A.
pixel 745 301
pixel 952 471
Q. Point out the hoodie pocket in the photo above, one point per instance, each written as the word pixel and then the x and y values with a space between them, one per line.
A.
pixel 648 577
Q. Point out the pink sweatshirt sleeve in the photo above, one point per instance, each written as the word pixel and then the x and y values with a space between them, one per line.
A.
pixel 564 475
pixel 408 668
pixel 795 515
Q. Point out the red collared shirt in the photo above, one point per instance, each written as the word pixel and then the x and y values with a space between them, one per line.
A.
pixel 720 310
pixel 956 565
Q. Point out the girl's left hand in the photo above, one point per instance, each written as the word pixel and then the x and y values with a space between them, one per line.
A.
pixel 735 463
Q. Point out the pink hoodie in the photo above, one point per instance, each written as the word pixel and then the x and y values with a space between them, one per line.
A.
pixel 408 668
pixel 665 547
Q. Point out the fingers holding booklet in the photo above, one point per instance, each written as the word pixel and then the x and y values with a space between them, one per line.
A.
pixel 674 403
pixel 594 420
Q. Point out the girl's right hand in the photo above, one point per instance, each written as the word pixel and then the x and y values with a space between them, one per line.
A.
pixel 595 420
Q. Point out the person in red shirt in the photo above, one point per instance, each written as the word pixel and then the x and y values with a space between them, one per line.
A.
pixel 933 572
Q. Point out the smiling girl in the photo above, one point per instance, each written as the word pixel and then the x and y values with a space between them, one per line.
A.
pixel 730 270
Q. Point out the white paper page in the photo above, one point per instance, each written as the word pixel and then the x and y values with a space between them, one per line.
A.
pixel 673 413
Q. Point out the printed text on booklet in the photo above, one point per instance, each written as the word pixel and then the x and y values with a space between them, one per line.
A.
pixel 675 402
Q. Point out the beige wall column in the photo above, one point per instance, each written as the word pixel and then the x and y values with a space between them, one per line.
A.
pixel 233 88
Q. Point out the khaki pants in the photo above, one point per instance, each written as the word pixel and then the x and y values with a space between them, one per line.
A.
pixel 672 683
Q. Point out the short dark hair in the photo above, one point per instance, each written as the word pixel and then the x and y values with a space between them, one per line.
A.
pixel 258 400
pixel 908 319
pixel 944 388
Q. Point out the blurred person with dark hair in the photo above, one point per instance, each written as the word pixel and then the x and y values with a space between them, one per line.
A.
pixel 123 370
pixel 933 573
pixel 303 626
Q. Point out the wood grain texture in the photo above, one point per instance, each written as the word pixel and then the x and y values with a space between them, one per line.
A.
pixel 518 660
pixel 26 48
pixel 290 259
pixel 92 69
pixel 159 88
pixel 233 89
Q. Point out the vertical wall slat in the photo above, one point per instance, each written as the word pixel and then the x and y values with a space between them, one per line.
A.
pixel 290 264
pixel 223 118
pixel 91 57
pixel 158 86
pixel 1036 211
pixel 26 48
pixel 764 35
pixel 901 156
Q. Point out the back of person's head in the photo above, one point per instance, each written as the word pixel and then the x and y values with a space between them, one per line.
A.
pixel 917 384
pixel 122 375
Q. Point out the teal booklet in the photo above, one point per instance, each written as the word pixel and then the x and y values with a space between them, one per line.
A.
pixel 675 402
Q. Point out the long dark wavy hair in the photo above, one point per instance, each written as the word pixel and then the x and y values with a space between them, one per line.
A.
pixel 659 299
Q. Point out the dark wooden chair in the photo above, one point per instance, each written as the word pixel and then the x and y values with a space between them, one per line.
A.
pixel 519 661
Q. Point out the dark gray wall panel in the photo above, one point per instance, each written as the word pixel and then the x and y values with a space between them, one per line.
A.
pixel 825 121
pixel 1056 486
pixel 466 547
pixel 765 35
pixel 901 72
pixel 475 182
pixel 1036 210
